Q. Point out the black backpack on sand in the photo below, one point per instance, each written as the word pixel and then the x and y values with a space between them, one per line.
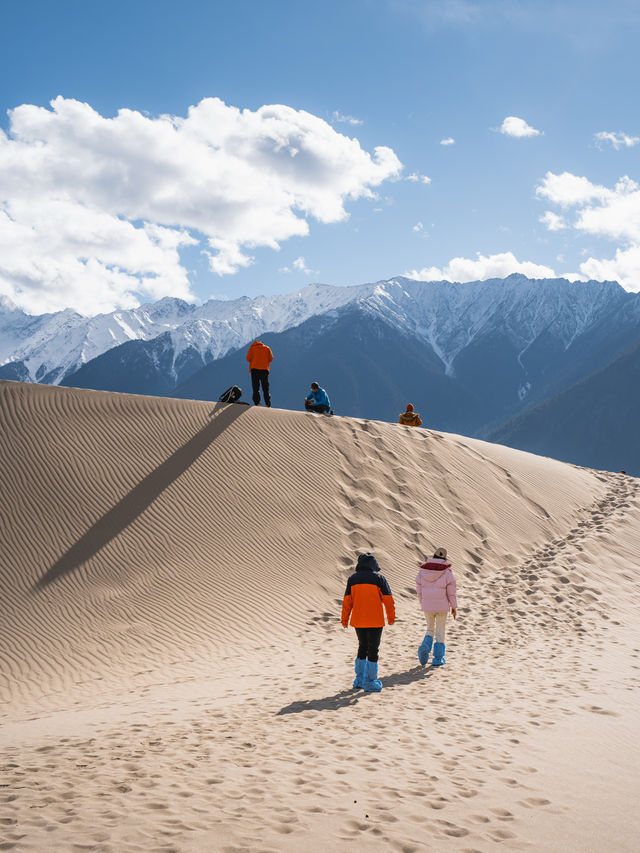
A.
pixel 231 395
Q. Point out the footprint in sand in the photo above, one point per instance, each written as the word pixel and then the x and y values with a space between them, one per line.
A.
pixel 502 814
pixel 501 834
pixel 534 802
pixel 452 830
pixel 596 709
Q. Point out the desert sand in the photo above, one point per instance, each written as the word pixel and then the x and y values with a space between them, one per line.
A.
pixel 174 677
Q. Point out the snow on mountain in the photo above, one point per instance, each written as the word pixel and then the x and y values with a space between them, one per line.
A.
pixel 448 316
pixel 54 345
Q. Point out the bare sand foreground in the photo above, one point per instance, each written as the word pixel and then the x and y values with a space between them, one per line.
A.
pixel 173 675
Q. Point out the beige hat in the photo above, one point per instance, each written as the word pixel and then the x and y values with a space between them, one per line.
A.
pixel 441 553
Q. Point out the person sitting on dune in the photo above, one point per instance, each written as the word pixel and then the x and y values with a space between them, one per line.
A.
pixel 410 418
pixel 436 588
pixel 367 593
pixel 317 400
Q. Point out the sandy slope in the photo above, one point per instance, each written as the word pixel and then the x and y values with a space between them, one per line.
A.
pixel 172 671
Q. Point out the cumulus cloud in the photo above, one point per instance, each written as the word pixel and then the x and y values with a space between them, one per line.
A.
pixel 612 213
pixel 483 267
pixel 299 265
pixel 417 177
pixel 603 212
pixel 339 117
pixel 623 267
pixel 615 140
pixel 418 227
pixel 514 126
pixel 95 211
pixel 448 141
pixel 568 190
pixel 552 221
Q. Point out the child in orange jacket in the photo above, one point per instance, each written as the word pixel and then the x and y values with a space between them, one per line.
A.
pixel 366 599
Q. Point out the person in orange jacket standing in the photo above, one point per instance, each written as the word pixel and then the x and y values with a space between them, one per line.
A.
pixel 259 358
pixel 367 593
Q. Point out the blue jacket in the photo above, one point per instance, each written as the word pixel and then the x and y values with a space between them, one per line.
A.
pixel 319 398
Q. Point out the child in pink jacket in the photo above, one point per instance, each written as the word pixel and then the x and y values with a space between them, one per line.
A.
pixel 436 588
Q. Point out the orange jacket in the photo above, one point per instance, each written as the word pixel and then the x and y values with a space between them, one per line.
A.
pixel 367 596
pixel 259 356
pixel 410 419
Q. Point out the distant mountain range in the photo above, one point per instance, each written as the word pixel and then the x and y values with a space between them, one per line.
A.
pixel 597 419
pixel 536 364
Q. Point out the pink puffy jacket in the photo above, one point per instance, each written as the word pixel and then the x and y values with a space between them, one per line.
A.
pixel 436 586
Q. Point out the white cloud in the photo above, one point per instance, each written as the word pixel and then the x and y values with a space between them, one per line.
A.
pixel 624 268
pixel 418 227
pixel 568 190
pixel 448 141
pixel 228 257
pixel 606 213
pixel 299 265
pixel 57 253
pixel 616 140
pixel 416 176
pixel 552 221
pixel 514 126
pixel 613 214
pixel 575 276
pixel 484 267
pixel 339 117
pixel 94 211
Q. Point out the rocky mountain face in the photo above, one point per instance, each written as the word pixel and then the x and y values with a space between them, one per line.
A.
pixel 51 347
pixel 595 422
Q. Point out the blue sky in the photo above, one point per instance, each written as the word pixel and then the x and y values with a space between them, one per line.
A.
pixel 347 180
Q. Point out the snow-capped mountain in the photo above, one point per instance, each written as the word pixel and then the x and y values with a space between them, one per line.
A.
pixel 449 317
pixel 472 357
pixel 52 346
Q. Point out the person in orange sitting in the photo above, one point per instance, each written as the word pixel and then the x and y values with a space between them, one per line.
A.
pixel 259 358
pixel 365 601
pixel 410 418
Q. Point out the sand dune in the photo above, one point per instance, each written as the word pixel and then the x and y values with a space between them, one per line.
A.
pixel 173 675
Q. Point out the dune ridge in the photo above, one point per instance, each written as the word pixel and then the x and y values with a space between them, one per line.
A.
pixel 171 575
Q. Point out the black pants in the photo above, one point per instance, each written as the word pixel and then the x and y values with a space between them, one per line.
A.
pixel 369 643
pixel 258 378
pixel 321 408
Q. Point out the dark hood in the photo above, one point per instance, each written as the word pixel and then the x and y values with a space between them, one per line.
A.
pixel 367 563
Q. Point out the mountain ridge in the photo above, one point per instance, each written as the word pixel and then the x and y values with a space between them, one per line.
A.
pixel 472 356
pixel 446 315
pixel 571 426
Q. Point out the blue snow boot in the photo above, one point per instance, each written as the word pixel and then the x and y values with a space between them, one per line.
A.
pixel 438 655
pixel 358 681
pixel 424 649
pixel 371 683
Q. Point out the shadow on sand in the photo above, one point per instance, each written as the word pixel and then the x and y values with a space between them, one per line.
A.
pixel 353 696
pixel 141 496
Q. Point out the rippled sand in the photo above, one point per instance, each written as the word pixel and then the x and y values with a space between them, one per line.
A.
pixel 173 675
